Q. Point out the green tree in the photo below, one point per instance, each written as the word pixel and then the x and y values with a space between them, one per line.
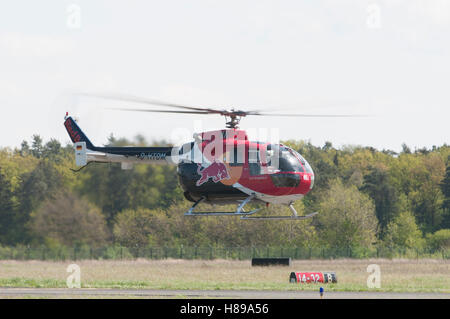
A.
pixel 52 150
pixel 378 186
pixel 439 240
pixel 427 198
pixel 406 149
pixel 346 217
pixel 35 187
pixel 445 188
pixel 6 209
pixel 402 231
pixel 24 148
pixel 69 220
pixel 36 146
pixel 136 227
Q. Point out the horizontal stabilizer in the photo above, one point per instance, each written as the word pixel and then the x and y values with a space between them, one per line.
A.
pixel 80 154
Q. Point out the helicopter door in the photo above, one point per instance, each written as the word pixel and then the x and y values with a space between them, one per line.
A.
pixel 236 156
pixel 254 162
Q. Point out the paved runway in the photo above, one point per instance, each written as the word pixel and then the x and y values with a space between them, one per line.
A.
pixel 232 294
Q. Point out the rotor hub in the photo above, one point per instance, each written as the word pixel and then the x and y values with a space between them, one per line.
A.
pixel 233 122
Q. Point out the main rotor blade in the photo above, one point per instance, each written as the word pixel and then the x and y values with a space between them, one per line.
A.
pixel 160 111
pixel 309 115
pixel 198 110
pixel 134 99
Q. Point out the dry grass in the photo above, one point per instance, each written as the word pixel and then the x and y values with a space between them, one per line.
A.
pixel 396 275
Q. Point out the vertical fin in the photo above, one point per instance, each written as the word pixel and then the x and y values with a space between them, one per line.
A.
pixel 76 134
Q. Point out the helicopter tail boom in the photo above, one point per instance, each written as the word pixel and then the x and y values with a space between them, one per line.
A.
pixel 86 152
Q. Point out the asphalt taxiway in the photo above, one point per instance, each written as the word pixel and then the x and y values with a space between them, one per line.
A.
pixel 232 294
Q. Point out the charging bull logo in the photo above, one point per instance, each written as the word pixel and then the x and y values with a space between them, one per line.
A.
pixel 216 170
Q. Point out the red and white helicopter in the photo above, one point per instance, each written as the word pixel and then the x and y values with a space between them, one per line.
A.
pixel 218 167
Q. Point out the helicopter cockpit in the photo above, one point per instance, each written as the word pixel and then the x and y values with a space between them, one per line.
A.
pixel 288 162
pixel 283 164
pixel 285 159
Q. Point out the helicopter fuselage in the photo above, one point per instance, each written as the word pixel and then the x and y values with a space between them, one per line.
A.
pixel 219 167
pixel 234 168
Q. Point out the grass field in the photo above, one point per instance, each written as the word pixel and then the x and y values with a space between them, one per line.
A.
pixel 398 275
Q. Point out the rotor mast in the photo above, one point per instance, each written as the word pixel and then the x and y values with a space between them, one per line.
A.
pixel 233 122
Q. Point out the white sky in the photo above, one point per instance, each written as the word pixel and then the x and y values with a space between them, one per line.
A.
pixel 390 58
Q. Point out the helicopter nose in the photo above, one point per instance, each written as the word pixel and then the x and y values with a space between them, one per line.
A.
pixel 311 173
pixel 312 181
pixel 309 169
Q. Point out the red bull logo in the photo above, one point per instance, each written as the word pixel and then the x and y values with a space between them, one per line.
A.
pixel 216 170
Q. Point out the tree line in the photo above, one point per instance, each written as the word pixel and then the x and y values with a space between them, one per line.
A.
pixel 364 197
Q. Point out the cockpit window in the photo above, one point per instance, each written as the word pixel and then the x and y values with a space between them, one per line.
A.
pixel 304 162
pixel 280 158
pixel 289 163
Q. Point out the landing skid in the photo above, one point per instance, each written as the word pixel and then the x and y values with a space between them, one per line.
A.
pixel 246 215
pixel 294 216
pixel 281 217
pixel 239 211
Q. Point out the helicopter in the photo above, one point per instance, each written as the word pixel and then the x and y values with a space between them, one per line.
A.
pixel 219 167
